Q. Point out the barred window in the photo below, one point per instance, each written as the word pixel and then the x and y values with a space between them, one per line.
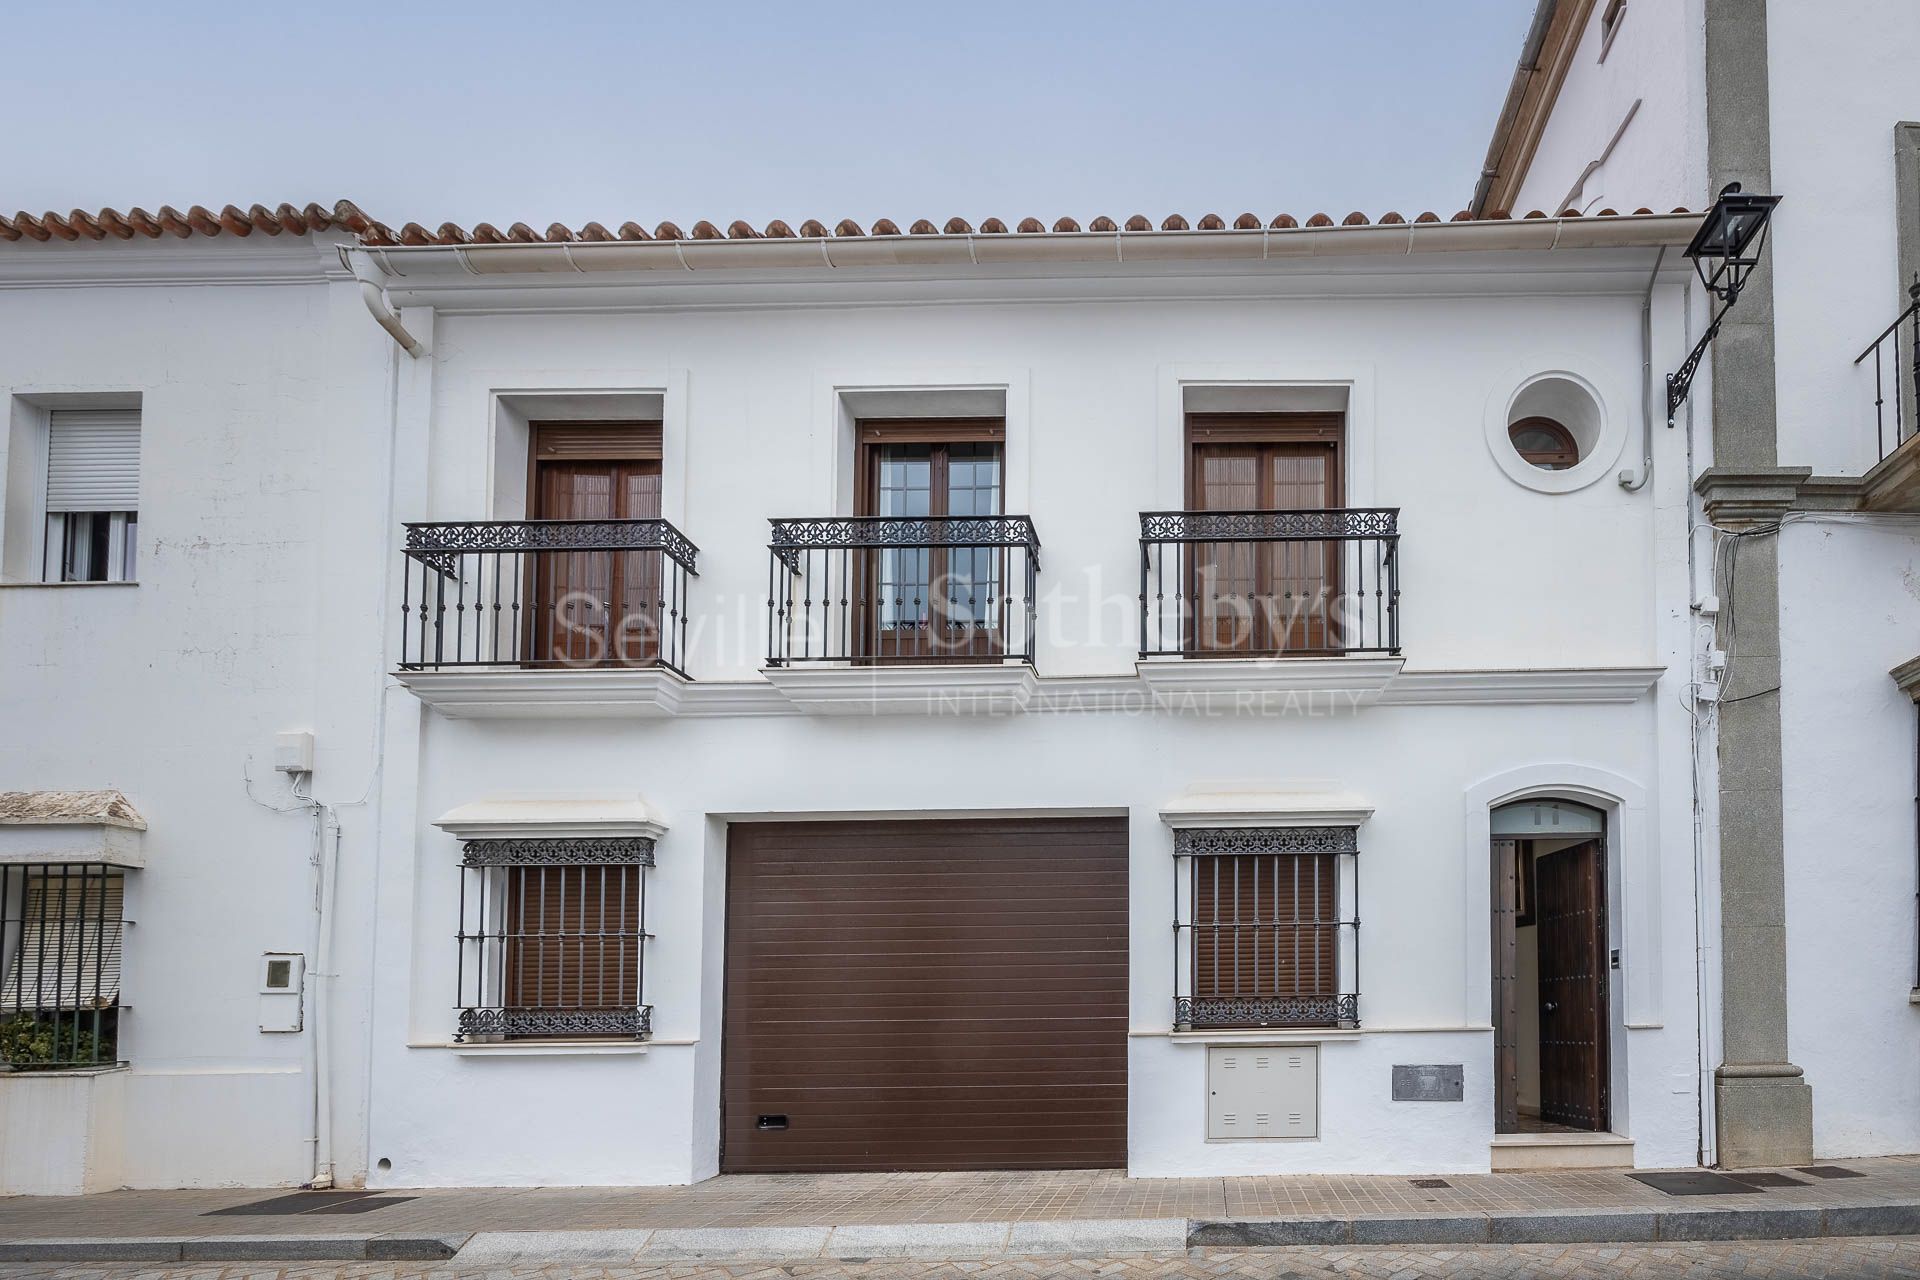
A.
pixel 60 938
pixel 1267 927
pixel 553 939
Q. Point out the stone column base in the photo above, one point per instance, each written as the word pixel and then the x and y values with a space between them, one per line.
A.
pixel 1763 1115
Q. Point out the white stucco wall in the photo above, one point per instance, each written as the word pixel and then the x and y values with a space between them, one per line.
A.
pixel 1841 75
pixel 1656 60
pixel 263 410
pixel 1850 611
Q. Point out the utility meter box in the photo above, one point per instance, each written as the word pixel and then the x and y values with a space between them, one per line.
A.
pixel 1263 1091
pixel 283 980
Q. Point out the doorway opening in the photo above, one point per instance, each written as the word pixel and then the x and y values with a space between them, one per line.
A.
pixel 1551 958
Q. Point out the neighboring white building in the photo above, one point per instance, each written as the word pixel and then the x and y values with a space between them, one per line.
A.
pixel 1652 104
pixel 1208 700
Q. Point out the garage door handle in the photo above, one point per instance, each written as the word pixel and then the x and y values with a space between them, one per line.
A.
pixel 1550 1006
pixel 772 1122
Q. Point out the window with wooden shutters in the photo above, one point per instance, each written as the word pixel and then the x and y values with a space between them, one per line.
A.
pixel 1267 926
pixel 60 939
pixel 92 495
pixel 552 938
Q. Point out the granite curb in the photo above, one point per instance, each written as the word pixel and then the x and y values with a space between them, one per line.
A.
pixel 1601 1226
pixel 974 1240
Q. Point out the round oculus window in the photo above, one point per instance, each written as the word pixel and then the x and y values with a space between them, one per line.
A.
pixel 1544 443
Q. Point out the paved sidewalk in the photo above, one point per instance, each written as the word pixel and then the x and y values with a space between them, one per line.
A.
pixel 952 1215
pixel 1792 1260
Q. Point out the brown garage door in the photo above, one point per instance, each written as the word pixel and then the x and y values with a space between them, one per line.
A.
pixel 926 995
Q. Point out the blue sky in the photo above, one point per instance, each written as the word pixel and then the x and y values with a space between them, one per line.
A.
pixel 798 110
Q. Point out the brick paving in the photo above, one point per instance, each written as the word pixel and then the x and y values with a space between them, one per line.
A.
pixel 890 1198
pixel 1756 1261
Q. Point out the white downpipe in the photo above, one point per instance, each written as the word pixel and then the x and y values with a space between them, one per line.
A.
pixel 326 864
pixel 1646 382
pixel 373 292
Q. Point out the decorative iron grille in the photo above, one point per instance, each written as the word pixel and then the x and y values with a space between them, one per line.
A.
pixel 60 945
pixel 553 939
pixel 545 593
pixel 1241 584
pixel 874 589
pixel 1266 927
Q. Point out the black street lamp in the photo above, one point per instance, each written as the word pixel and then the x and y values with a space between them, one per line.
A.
pixel 1724 251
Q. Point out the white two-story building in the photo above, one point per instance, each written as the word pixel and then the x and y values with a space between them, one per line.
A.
pixel 606 706
pixel 790 700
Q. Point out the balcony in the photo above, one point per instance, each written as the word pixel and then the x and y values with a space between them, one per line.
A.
pixel 1894 483
pixel 1252 603
pixel 883 613
pixel 586 612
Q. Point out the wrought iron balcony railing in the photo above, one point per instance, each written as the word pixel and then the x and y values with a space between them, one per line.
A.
pixel 1896 372
pixel 545 593
pixel 1242 584
pixel 880 589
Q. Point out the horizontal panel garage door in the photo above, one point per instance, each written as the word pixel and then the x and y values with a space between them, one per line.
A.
pixel 926 995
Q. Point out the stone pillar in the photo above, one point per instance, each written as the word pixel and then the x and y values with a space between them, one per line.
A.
pixel 1763 1105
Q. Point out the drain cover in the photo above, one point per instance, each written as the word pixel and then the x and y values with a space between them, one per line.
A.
pixel 310 1202
pixel 1431 1184
pixel 1831 1171
pixel 1694 1182
pixel 362 1204
pixel 1767 1180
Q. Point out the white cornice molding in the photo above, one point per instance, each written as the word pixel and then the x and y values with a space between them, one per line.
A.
pixel 609 693
pixel 225 261
pixel 1268 686
pixel 1560 686
pixel 1279 807
pixel 961 689
pixel 553 818
pixel 1304 687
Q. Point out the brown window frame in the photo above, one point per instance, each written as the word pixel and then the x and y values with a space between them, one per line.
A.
pixel 1558 459
pixel 625 448
pixel 1266 432
pixel 878 643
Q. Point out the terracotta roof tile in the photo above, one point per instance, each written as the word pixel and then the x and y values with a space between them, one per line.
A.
pixel 343 215
pixel 103 224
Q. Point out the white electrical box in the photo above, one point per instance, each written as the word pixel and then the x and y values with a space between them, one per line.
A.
pixel 293 752
pixel 1263 1091
pixel 283 977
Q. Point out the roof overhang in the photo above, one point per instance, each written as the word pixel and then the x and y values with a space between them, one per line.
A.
pixel 508 276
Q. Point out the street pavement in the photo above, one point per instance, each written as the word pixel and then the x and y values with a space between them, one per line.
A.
pixel 1749 1261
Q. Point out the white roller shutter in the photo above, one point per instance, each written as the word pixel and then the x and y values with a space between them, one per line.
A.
pixel 93 460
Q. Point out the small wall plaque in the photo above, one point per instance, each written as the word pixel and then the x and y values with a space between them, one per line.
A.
pixel 1435 1083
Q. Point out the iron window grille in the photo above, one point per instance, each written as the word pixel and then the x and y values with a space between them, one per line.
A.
pixel 553 939
pixel 1266 927
pixel 60 945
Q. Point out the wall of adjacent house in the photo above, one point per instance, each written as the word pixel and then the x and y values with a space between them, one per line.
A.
pixel 1655 60
pixel 1495 576
pixel 1841 75
pixel 262 489
pixel 1850 611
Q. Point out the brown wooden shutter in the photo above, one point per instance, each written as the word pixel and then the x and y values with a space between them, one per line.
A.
pixel 572 937
pixel 1265 925
pixel 595 441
